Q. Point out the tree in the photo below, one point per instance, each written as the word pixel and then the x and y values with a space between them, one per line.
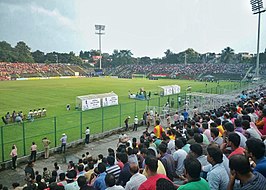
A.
pixel 7 53
pixel 73 59
pixel 38 56
pixel 145 60
pixel 192 56
pixel 228 55
pixel 23 53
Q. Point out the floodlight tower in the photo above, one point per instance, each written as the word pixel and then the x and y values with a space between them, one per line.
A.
pixel 99 29
pixel 257 8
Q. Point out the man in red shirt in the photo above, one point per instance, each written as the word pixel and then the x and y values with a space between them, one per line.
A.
pixel 234 142
pixel 151 163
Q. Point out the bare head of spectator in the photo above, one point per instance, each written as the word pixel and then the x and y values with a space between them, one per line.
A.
pixel 255 149
pixel 215 155
pixel 179 144
pixel 164 184
pixel 229 127
pixel 101 167
pixel 82 181
pixel 192 169
pixel 151 163
pixel 198 138
pixel 234 140
pixel 196 150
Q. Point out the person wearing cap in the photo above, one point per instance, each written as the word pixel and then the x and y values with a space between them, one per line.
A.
pixel 63 142
pixel 126 122
pixel 136 122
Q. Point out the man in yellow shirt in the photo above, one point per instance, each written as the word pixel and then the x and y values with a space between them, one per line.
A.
pixel 219 126
pixel 158 130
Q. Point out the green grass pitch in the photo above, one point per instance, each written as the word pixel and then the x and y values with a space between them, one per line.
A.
pixel 55 94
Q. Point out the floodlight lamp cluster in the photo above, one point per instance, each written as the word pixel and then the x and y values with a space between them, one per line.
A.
pixel 257 6
pixel 99 27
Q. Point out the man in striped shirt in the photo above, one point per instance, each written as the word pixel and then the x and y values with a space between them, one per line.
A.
pixel 113 168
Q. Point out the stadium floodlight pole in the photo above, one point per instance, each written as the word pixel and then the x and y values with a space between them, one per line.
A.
pixel 257 8
pixel 99 29
pixel 56 58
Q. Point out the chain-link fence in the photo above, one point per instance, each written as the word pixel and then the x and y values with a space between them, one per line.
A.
pixel 75 123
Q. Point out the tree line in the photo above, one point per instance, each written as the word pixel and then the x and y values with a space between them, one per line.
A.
pixel 22 53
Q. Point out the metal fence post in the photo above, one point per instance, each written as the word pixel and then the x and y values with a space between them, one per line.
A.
pixel 135 111
pixel 102 120
pixel 2 142
pixel 120 113
pixel 81 125
pixel 24 140
pixel 55 144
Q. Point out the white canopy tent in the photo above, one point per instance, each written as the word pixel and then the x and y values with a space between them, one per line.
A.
pixel 94 101
pixel 171 89
pixel 176 89
pixel 167 90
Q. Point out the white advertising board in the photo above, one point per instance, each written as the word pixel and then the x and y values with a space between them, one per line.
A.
pixel 176 89
pixel 91 104
pixel 110 101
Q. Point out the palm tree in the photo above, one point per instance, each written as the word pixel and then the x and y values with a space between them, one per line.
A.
pixel 227 55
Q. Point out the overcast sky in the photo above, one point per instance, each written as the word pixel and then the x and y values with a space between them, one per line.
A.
pixel 146 27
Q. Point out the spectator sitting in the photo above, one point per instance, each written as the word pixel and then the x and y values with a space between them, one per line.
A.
pixel 255 149
pixel 241 170
pixel 110 183
pixel 192 173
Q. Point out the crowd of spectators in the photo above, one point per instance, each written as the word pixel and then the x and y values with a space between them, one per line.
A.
pixel 17 70
pixel 217 149
pixel 172 70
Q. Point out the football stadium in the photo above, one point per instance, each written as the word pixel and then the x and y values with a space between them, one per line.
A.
pixel 130 110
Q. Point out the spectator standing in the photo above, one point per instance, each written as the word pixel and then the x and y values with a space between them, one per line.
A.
pixel 63 142
pixel 33 150
pixel 136 122
pixel 14 155
pixel 87 135
pixel 126 122
pixel 46 143
pixel 158 130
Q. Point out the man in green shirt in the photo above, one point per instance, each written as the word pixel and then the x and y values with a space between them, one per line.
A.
pixel 192 173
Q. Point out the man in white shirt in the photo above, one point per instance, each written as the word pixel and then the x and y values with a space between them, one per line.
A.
pixel 87 137
pixel 136 122
pixel 136 179
pixel 179 157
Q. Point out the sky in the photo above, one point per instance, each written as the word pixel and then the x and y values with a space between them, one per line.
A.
pixel 146 27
